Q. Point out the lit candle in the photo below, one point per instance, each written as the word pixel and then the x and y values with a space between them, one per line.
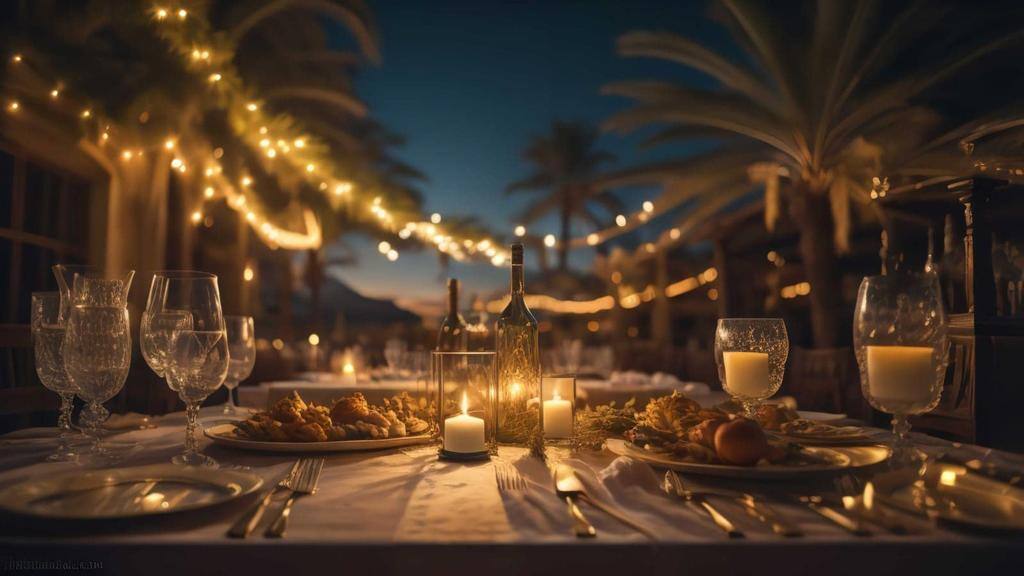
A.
pixel 464 433
pixel 557 417
pixel 348 374
pixel 746 374
pixel 901 377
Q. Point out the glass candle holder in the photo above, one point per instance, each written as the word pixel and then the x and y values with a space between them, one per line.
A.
pixel 751 355
pixel 465 384
pixel 558 407
pixel 899 337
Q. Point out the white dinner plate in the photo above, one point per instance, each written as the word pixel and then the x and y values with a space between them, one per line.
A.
pixel 820 416
pixel 126 492
pixel 846 458
pixel 224 434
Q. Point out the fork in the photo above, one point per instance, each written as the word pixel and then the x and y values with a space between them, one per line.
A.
pixel 508 477
pixel 248 521
pixel 674 485
pixel 306 483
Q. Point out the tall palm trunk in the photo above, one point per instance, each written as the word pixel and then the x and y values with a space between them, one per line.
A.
pixel 565 229
pixel 811 212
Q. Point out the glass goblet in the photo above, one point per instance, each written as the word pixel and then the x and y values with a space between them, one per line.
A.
pixel 751 355
pixel 241 356
pixel 899 337
pixel 48 344
pixel 97 348
pixel 197 355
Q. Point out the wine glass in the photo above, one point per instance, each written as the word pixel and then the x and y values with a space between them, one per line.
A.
pixel 751 355
pixel 97 347
pixel 48 342
pixel 899 336
pixel 241 356
pixel 196 357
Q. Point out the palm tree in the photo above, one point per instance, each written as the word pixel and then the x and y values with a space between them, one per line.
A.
pixel 823 97
pixel 565 163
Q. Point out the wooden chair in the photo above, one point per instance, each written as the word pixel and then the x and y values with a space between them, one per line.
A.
pixel 23 400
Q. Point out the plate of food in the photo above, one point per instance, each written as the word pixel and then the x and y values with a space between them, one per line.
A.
pixel 129 492
pixel 781 420
pixel 675 432
pixel 350 424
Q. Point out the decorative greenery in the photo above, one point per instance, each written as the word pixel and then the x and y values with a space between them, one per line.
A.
pixel 595 425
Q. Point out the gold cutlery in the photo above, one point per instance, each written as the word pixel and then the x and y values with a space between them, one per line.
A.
pixel 568 486
pixel 248 521
pixel 509 479
pixel 851 525
pixel 767 514
pixel 305 483
pixel 674 485
pixel 861 501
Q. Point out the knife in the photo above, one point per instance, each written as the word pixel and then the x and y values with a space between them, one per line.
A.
pixel 674 485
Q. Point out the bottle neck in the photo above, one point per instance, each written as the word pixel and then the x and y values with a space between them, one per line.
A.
pixel 517 279
pixel 453 301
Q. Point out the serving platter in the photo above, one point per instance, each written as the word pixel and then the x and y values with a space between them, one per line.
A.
pixel 840 459
pixel 225 434
pixel 130 492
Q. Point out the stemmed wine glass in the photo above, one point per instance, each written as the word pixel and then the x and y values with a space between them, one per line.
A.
pixel 241 356
pixel 751 355
pixel 899 336
pixel 188 343
pixel 48 343
pixel 97 346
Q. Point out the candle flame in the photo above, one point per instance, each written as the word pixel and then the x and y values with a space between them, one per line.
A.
pixel 515 389
pixel 948 478
pixel 556 396
pixel 348 368
pixel 465 404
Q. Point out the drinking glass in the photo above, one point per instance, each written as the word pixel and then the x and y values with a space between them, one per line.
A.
pixel 196 357
pixel 899 337
pixel 48 342
pixel 751 355
pixel 241 355
pixel 97 347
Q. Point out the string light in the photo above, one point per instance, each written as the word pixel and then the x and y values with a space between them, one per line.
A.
pixel 520 231
pixel 197 217
pixel 161 13
pixel 549 240
pixel 252 107
pixel 593 238
pixel 13 106
pixel 248 273
pixel 215 77
pixel 86 113
pixel 16 58
pixel 392 255
pixel 182 14
pixel 435 218
pixel 620 221
pixel 384 247
pixel 55 93
pixel 208 192
pixel 648 206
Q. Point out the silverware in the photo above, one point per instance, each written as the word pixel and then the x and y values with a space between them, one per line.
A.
pixel 248 521
pixel 767 514
pixel 567 484
pixel 983 466
pixel 862 501
pixel 851 525
pixel 674 485
pixel 305 483
pixel 508 477
pixel 569 488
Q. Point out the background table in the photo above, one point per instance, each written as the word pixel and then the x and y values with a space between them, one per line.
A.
pixel 403 511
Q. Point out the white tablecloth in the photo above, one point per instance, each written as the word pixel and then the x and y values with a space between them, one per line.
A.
pixel 405 510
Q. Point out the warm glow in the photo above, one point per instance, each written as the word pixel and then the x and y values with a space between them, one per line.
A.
pixel 310 167
pixel 16 58
pixel 593 326
pixel 515 389
pixel 549 240
pixel 342 188
pixel 384 247
pixel 435 218
pixel 246 181
pixel 464 404
pixel 620 220
pixel 593 238
pixel 299 143
pixel 648 206
pixel 616 277
pixel 498 259
pixel 278 344
pixel 86 113
pixel 197 216
pixel 13 106
pixel 348 368
pixel 314 339
pixel 520 231
pixel 948 478
pixel 208 192
pixel 161 13
pixel 674 233
pixel 650 247
pixel 54 93
pixel 248 274
pixel 182 14
pixel 392 255
pixel 215 77
pixel 252 107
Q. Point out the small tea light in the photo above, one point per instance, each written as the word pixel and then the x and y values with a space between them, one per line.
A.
pixel 558 397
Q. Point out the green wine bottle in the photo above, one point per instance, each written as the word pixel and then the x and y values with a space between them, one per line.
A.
pixel 518 348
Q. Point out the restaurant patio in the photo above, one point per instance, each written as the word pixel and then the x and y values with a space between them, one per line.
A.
pixel 510 288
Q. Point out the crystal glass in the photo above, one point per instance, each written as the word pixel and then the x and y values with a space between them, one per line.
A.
pixel 97 347
pixel 464 384
pixel 899 337
pixel 394 354
pixel 558 407
pixel 196 358
pixel 241 355
pixel 751 355
pixel 48 344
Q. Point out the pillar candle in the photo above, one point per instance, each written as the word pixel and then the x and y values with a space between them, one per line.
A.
pixel 746 373
pixel 557 418
pixel 900 377
pixel 464 433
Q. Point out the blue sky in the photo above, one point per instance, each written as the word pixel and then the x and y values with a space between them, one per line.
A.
pixel 468 84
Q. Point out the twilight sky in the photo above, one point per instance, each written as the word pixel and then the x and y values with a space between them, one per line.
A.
pixel 469 82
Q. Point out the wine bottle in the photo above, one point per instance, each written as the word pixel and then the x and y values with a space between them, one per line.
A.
pixel 452 337
pixel 518 349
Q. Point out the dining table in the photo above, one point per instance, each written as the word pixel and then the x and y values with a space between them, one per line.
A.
pixel 406 511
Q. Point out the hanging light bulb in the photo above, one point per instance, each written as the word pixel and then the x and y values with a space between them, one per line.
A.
pixel 549 240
